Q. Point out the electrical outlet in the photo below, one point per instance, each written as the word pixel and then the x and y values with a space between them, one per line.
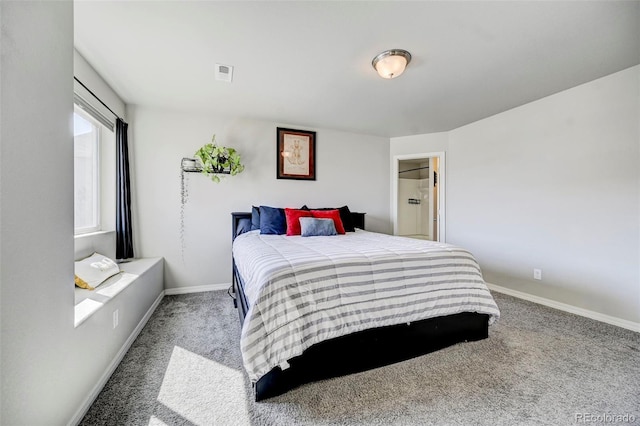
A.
pixel 537 274
pixel 115 318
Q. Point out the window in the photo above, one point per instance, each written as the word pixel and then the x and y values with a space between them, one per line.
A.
pixel 86 132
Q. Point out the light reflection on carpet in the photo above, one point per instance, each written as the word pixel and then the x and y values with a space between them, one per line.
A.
pixel 202 391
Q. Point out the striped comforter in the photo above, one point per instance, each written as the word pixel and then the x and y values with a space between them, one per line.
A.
pixel 301 291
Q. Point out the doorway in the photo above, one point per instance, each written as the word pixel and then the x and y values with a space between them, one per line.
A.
pixel 418 196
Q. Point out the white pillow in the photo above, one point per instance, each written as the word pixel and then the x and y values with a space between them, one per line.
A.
pixel 95 269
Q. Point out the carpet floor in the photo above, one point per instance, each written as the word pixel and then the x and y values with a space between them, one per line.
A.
pixel 539 366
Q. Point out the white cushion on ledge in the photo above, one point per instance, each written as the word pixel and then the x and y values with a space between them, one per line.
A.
pixel 96 269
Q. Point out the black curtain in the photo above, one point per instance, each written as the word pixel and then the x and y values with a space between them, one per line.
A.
pixel 124 239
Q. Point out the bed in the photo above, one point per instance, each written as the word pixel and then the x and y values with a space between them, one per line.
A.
pixel 321 307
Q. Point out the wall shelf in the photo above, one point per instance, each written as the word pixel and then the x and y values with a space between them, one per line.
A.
pixel 191 165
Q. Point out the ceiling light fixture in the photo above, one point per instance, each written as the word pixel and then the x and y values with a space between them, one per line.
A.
pixel 391 63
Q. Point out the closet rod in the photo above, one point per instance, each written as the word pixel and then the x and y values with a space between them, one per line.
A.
pixel 95 96
pixel 413 170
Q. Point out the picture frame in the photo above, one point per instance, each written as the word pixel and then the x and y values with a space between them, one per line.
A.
pixel 296 154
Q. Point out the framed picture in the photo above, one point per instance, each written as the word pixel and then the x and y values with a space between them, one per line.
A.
pixel 296 151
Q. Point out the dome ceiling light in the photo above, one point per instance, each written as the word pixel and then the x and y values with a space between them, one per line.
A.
pixel 391 63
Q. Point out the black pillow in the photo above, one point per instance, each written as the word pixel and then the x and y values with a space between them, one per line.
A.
pixel 345 216
pixel 255 218
pixel 347 220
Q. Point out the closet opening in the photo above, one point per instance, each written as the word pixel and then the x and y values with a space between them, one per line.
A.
pixel 418 207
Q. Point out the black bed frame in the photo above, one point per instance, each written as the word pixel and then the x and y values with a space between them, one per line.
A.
pixel 363 350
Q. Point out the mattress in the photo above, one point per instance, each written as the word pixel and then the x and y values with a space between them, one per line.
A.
pixel 304 290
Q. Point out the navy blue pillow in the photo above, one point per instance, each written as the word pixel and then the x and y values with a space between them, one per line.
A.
pixel 255 218
pixel 244 225
pixel 272 221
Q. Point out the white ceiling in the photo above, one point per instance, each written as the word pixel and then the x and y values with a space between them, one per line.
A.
pixel 309 63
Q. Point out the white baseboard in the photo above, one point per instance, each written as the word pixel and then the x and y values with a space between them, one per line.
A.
pixel 77 418
pixel 619 322
pixel 196 289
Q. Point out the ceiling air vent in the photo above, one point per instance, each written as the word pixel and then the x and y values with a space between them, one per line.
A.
pixel 224 73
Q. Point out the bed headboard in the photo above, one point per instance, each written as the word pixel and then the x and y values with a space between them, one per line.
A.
pixel 237 222
pixel 236 218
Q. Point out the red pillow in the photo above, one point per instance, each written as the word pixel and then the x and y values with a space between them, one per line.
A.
pixel 293 220
pixel 330 214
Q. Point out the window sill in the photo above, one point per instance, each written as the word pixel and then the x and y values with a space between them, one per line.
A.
pixel 88 302
pixel 91 234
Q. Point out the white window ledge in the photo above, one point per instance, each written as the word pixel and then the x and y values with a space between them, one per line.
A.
pixel 91 234
pixel 90 301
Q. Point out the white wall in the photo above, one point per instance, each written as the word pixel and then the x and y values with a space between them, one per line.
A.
pixel 48 367
pixel 408 214
pixel 351 169
pixel 413 219
pixel 37 210
pixel 553 184
pixel 419 144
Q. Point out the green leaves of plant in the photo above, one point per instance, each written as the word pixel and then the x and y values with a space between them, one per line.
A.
pixel 218 160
